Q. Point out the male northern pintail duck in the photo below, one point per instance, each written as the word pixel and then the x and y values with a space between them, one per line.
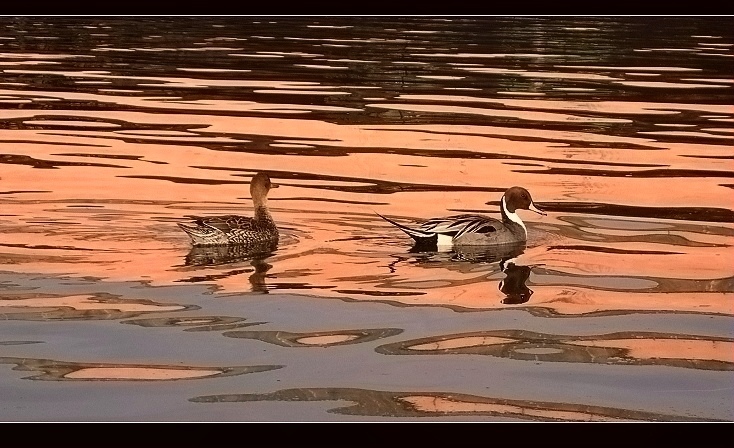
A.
pixel 238 230
pixel 476 230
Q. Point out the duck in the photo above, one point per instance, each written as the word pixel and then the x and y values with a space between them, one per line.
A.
pixel 258 230
pixel 476 230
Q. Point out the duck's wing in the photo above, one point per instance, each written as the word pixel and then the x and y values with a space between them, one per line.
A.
pixel 459 225
pixel 227 223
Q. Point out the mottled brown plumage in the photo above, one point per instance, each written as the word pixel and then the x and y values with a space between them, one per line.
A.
pixel 235 229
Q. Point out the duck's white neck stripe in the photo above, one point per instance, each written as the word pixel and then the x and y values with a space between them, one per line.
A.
pixel 514 217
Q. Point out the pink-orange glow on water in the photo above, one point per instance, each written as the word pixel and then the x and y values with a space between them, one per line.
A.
pixel 112 198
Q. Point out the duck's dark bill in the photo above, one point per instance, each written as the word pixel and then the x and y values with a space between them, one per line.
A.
pixel 537 210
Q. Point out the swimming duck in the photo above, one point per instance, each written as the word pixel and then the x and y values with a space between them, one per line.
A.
pixel 476 230
pixel 238 230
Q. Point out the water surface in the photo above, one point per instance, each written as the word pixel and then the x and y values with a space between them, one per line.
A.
pixel 619 307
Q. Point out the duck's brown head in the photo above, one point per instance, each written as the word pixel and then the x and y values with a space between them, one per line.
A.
pixel 518 197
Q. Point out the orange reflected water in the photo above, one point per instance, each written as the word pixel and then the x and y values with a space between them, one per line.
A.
pixel 443 405
pixel 103 202
pixel 136 373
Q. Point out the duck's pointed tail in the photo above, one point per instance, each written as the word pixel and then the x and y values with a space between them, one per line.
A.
pixel 419 236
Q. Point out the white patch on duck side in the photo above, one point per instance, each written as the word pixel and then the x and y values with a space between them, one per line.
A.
pixel 514 217
pixel 444 240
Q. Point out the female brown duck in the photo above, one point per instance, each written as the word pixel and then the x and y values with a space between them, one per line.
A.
pixel 238 230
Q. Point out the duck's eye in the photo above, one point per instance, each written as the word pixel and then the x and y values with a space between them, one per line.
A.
pixel 524 196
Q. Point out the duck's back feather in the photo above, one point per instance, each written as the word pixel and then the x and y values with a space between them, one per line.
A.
pixel 228 223
pixel 459 225
pixel 230 229
pixel 473 230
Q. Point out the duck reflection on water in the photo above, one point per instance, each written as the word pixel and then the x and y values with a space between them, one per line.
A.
pixel 513 286
pixel 227 254
pixel 471 254
pixel 255 254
